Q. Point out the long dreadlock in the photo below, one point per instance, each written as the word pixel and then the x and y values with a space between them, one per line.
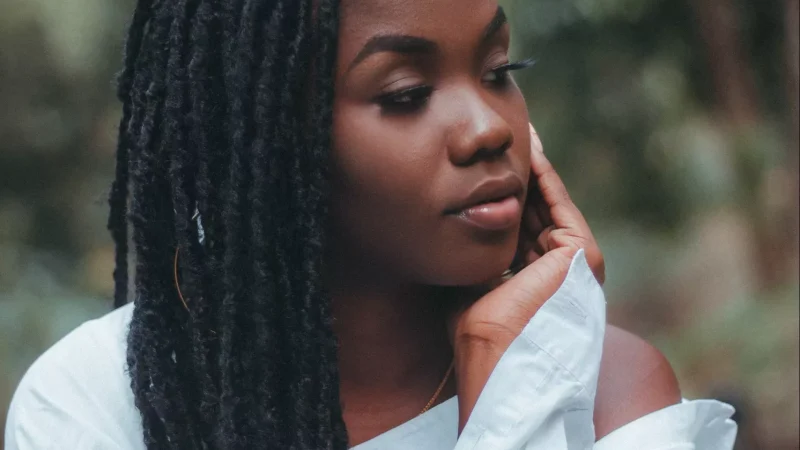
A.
pixel 227 115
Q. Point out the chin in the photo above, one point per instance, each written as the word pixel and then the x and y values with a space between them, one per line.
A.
pixel 477 265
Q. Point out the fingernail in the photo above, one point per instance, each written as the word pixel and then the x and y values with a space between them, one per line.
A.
pixel 536 143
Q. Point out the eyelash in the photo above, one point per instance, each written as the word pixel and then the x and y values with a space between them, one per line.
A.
pixel 412 99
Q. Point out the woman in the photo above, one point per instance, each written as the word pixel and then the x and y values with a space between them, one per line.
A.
pixel 322 201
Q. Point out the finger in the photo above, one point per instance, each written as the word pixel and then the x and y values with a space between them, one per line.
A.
pixel 542 209
pixel 527 291
pixel 532 256
pixel 543 240
pixel 536 142
pixel 536 203
pixel 565 237
pixel 535 199
pixel 555 207
pixel 550 186
pixel 562 210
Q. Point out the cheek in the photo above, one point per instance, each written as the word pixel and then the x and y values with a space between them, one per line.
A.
pixel 383 199
pixel 376 160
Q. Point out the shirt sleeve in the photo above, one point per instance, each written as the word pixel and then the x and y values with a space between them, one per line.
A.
pixel 33 424
pixel 75 396
pixel 691 425
pixel 541 394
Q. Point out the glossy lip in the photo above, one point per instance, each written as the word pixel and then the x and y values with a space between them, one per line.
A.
pixel 488 191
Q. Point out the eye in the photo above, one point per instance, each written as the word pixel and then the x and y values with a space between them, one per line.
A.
pixel 499 76
pixel 405 100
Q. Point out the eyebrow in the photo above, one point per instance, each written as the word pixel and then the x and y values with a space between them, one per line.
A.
pixel 396 43
pixel 495 25
pixel 405 44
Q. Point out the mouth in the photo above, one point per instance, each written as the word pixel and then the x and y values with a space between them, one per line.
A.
pixel 494 204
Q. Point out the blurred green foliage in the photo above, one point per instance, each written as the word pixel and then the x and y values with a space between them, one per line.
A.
pixel 670 121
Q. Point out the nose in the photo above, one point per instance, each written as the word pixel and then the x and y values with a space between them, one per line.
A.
pixel 478 133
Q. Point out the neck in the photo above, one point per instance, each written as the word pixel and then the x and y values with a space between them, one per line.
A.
pixel 392 338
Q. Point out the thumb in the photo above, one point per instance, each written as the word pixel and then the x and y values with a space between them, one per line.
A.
pixel 529 289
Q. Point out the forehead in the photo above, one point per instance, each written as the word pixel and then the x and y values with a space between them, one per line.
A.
pixel 454 22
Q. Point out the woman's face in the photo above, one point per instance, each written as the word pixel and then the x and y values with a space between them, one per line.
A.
pixel 431 143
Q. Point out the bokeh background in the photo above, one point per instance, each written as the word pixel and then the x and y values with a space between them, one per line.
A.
pixel 673 122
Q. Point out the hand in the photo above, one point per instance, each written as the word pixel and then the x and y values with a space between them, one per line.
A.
pixel 550 220
pixel 553 230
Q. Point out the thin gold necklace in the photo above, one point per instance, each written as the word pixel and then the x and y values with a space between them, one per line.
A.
pixel 439 389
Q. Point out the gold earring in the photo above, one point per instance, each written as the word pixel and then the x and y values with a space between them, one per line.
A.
pixel 177 284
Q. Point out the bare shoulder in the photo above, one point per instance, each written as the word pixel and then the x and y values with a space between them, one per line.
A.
pixel 635 380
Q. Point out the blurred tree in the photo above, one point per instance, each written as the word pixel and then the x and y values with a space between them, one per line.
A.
pixel 718 23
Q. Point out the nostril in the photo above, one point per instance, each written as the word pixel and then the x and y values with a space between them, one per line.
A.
pixel 484 154
pixel 499 150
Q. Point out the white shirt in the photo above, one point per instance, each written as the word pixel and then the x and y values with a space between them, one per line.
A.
pixel 541 395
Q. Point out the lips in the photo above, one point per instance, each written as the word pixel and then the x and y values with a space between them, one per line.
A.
pixel 494 204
